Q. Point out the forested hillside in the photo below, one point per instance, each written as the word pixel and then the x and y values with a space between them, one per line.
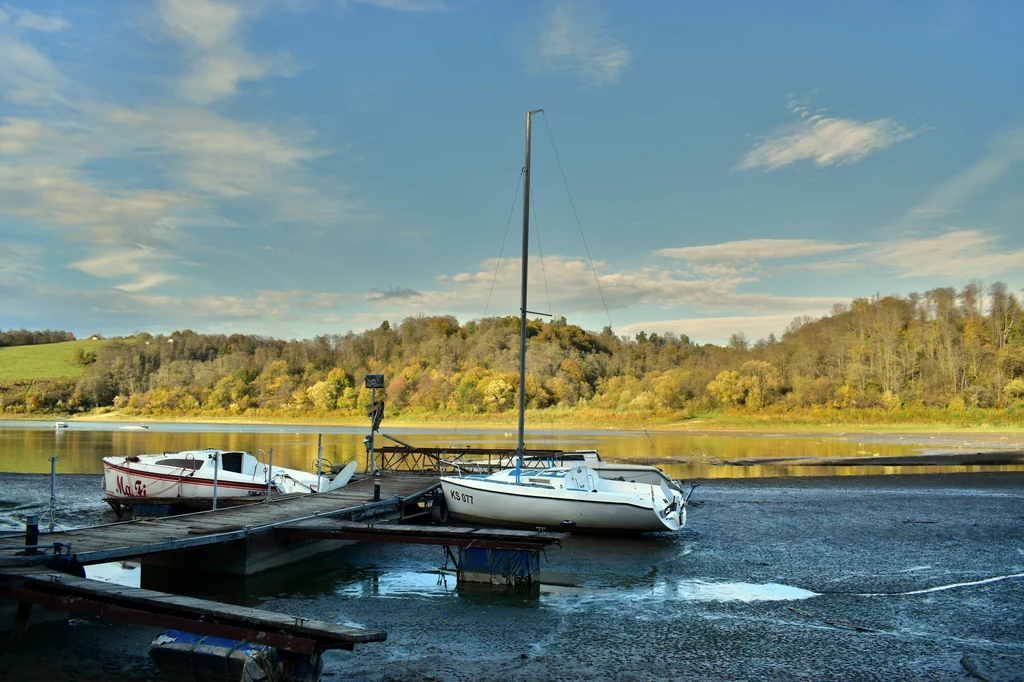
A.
pixel 939 355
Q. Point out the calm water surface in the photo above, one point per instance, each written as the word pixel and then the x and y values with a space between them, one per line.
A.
pixel 25 447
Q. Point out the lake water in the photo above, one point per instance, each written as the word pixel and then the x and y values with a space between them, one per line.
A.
pixel 752 588
pixel 26 446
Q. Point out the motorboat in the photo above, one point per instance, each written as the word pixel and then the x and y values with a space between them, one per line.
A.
pixel 60 425
pixel 196 474
pixel 573 496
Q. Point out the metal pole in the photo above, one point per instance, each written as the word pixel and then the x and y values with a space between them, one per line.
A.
pixel 53 491
pixel 270 473
pixel 521 445
pixel 373 457
pixel 216 472
pixel 319 458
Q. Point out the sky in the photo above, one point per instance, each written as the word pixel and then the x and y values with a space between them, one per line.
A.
pixel 292 168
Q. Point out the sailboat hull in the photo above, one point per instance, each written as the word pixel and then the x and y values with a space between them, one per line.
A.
pixel 493 501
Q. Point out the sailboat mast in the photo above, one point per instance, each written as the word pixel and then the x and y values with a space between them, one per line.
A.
pixel 521 445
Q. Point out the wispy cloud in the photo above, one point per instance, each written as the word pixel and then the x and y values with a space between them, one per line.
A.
pixel 23 18
pixel 1004 151
pixel 209 32
pixel 277 250
pixel 401 5
pixel 968 253
pixel 20 261
pixel 20 135
pixel 60 197
pixel 139 266
pixel 27 76
pixel 826 141
pixel 754 249
pixel 575 42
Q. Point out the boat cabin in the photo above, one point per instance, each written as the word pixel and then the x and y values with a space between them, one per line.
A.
pixel 235 461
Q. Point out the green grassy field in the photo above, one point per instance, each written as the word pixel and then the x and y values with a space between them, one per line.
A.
pixel 45 361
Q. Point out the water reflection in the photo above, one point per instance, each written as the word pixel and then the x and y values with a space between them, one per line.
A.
pixel 25 447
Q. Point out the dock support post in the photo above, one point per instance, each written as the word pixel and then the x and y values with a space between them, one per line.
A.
pixel 32 534
pixel 498 566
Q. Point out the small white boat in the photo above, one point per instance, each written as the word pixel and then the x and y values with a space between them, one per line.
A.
pixel 575 496
pixel 134 427
pixel 572 498
pixel 60 425
pixel 191 474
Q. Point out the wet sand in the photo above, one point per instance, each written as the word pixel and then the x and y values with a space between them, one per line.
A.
pixel 899 577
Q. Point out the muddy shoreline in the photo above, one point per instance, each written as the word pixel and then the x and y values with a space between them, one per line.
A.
pixel 923 565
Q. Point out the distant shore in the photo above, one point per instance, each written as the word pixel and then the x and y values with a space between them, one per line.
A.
pixel 939 435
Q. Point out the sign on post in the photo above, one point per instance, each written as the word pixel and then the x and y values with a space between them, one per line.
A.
pixel 374 381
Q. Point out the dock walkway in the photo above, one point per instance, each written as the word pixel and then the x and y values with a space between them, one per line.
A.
pixel 137 538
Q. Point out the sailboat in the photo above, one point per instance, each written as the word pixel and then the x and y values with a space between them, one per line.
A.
pixel 572 497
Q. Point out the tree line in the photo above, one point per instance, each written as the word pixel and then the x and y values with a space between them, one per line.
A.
pixel 945 351
pixel 23 337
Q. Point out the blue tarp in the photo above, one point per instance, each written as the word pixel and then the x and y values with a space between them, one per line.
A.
pixel 514 563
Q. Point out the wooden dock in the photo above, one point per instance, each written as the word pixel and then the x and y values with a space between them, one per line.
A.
pixel 243 540
pixel 45 576
pixel 142 537
pixel 63 592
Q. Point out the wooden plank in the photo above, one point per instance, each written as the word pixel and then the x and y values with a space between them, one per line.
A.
pixel 72 584
pixel 186 613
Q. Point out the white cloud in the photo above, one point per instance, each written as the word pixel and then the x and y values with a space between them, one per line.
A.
pixel 24 18
pixel 137 265
pixel 63 197
pixel 214 155
pixel 823 140
pixel 262 312
pixel 574 41
pixel 27 76
pixel 19 135
pixel 719 329
pixel 571 290
pixel 754 249
pixel 209 31
pixel 963 253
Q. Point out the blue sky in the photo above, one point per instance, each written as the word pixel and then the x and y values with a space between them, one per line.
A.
pixel 301 167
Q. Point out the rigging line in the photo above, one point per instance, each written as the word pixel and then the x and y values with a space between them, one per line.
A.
pixel 547 126
pixel 497 267
pixel 604 302
pixel 504 238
